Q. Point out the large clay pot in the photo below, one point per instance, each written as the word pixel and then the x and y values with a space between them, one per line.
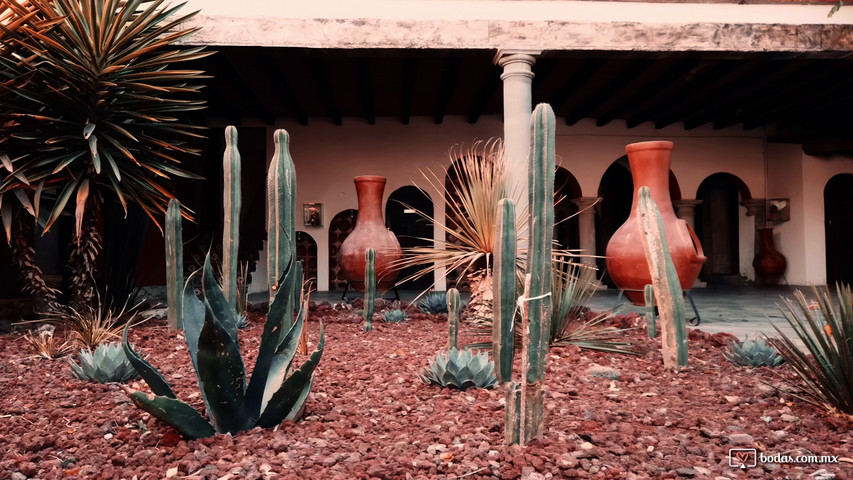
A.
pixel 768 263
pixel 626 259
pixel 370 232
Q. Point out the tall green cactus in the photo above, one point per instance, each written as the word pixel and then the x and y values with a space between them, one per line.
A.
pixel 649 296
pixel 369 288
pixel 231 200
pixel 281 210
pixel 454 306
pixel 174 264
pixel 525 411
pixel 504 290
pixel 667 288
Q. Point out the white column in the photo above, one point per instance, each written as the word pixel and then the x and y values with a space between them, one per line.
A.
pixel 755 219
pixel 586 227
pixel 517 79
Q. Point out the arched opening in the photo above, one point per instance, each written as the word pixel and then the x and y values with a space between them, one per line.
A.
pixel 838 225
pixel 717 226
pixel 566 187
pixel 340 227
pixel 411 229
pixel 306 250
pixel 616 190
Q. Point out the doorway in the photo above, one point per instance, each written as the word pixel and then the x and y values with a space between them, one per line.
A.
pixel 717 226
pixel 838 224
pixel 411 229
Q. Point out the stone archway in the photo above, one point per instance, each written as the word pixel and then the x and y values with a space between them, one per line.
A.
pixel 566 188
pixel 411 229
pixel 340 227
pixel 717 225
pixel 838 225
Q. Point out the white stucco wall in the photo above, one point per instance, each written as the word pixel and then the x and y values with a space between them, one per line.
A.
pixel 327 157
pixel 785 179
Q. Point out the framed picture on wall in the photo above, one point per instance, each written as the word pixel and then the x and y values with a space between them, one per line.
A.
pixel 312 214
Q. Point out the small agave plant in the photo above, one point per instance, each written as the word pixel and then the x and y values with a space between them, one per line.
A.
pixel 394 316
pixel 233 402
pixel 461 370
pixel 107 364
pixel 753 353
pixel 435 302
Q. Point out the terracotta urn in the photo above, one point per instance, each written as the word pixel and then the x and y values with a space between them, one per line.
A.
pixel 370 232
pixel 768 263
pixel 626 259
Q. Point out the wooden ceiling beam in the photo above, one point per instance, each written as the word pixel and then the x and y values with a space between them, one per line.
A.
pixel 485 94
pixel 410 74
pixel 628 72
pixel 226 64
pixel 365 86
pixel 449 79
pixel 732 105
pixel 665 91
pixel 709 89
pixel 577 78
pixel 324 90
pixel 271 64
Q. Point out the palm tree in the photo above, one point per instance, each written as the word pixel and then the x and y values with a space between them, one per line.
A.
pixel 90 111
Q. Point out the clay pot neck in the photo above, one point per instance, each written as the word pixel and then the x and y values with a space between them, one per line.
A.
pixel 370 189
pixel 650 163
pixel 765 238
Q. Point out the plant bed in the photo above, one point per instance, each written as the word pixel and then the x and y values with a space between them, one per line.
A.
pixel 369 416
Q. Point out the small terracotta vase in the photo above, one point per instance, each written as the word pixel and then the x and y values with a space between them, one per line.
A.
pixel 626 258
pixel 768 263
pixel 370 232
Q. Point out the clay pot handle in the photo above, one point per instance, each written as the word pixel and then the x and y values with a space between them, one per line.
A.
pixel 697 245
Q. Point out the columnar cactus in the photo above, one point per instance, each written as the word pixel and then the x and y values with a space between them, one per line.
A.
pixel 369 288
pixel 454 306
pixel 231 200
pixel 525 411
pixel 504 290
pixel 174 264
pixel 281 210
pixel 649 295
pixel 667 288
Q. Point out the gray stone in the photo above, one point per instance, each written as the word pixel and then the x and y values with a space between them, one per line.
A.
pixel 823 474
pixel 789 418
pixel 601 371
pixel 686 472
pixel 19 476
pixel 741 439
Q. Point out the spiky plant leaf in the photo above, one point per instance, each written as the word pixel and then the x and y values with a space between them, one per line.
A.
pixel 460 369
pixel 151 375
pixel 90 93
pixel 175 413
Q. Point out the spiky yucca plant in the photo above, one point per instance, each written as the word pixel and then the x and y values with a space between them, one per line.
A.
pixel 89 103
pixel 47 345
pixel 826 363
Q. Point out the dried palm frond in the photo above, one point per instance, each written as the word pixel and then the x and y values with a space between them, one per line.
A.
pixel 572 287
pixel 47 345
pixel 825 365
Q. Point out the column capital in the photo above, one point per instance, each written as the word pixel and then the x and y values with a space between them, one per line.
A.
pixel 686 206
pixel 585 202
pixel 754 206
pixel 505 56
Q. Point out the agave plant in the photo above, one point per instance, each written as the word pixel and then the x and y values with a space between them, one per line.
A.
pixel 825 363
pixel 232 403
pixel 435 302
pixel 753 353
pixel 90 105
pixel 108 363
pixel 394 316
pixel 461 370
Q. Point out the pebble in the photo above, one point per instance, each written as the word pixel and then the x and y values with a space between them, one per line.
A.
pixel 789 418
pixel 18 476
pixel 741 439
pixel 822 474
pixel 602 371
pixel 587 446
pixel 733 399
pixel 686 472
pixel 779 435
pixel 567 461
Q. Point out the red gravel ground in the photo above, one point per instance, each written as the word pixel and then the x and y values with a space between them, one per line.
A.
pixel 369 416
